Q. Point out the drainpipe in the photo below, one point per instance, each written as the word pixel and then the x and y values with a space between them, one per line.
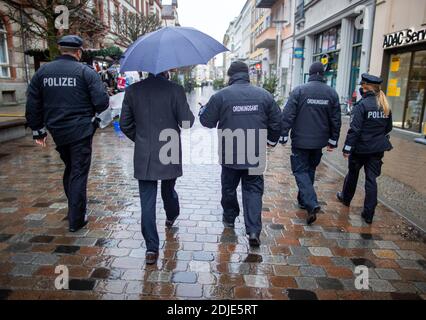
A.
pixel 23 38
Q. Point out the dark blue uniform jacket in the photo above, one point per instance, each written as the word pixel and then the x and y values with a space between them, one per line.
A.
pixel 247 109
pixel 370 128
pixel 64 96
pixel 313 115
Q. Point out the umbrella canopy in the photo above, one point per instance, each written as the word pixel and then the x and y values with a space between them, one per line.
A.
pixel 169 48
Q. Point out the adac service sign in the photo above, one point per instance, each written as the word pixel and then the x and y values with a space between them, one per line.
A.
pixel 404 38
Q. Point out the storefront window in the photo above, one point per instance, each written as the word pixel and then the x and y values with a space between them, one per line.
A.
pixel 4 59
pixel 327 44
pixel 416 93
pixel 399 72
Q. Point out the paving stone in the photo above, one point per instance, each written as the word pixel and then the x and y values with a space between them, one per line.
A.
pixel 199 266
pixel 307 283
pixel 387 274
pixel 256 281
pixel 297 261
pixel 67 249
pixel 189 290
pixel 312 271
pixel 421 286
pixel 85 242
pixel 297 294
pixel 5 237
pixel 23 258
pixel 35 216
pixel 81 284
pixel 386 245
pixel 160 276
pixel 184 277
pixel 320 252
pixel 300 251
pixel 381 285
pixel 45 259
pixel 409 255
pixel 203 256
pixel 330 284
pixel 25 270
pixel 41 239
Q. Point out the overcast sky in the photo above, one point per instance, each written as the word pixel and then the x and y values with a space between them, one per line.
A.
pixel 209 16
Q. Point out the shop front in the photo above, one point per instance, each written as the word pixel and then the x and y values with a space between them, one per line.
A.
pixel 404 67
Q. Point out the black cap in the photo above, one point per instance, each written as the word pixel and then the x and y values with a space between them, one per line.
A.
pixel 71 41
pixel 237 67
pixel 316 68
pixel 368 78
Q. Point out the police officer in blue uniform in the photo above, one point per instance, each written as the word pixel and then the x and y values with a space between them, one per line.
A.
pixel 248 119
pixel 313 115
pixel 63 99
pixel 366 142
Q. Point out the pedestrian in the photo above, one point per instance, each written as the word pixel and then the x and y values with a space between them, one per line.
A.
pixel 243 108
pixel 152 108
pixel 366 142
pixel 64 97
pixel 313 115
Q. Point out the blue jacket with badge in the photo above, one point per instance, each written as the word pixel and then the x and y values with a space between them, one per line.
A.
pixel 248 112
pixel 369 129
pixel 313 115
pixel 63 97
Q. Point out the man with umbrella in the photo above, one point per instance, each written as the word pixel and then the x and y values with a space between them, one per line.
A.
pixel 154 112
pixel 151 108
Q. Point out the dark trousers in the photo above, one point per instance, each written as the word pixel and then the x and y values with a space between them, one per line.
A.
pixel 372 164
pixel 148 194
pixel 252 189
pixel 304 164
pixel 77 158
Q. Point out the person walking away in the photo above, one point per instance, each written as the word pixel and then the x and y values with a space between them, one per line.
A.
pixel 63 98
pixel 366 142
pixel 242 107
pixel 313 115
pixel 151 108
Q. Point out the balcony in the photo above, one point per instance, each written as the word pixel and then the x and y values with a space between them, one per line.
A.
pixel 267 39
pixel 265 3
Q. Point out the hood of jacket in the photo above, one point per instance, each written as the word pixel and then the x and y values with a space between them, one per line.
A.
pixel 239 78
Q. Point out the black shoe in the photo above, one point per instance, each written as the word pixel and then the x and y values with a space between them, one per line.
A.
pixel 74 229
pixel 312 216
pixel 170 223
pixel 151 258
pixel 254 240
pixel 339 196
pixel 228 224
pixel 367 219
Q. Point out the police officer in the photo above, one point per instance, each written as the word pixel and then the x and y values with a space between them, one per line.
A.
pixel 248 119
pixel 314 117
pixel 63 98
pixel 366 142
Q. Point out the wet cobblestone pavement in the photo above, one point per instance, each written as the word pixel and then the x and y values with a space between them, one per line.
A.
pixel 199 259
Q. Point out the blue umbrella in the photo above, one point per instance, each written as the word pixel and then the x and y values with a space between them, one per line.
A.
pixel 169 48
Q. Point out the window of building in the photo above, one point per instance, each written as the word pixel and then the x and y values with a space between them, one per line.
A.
pixel 356 60
pixel 4 56
pixel 327 44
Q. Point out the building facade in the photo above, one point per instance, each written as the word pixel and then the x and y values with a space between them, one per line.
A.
pixel 169 14
pixel 16 68
pixel 399 55
pixel 337 33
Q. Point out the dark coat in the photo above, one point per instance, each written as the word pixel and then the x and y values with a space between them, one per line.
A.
pixel 313 115
pixel 242 106
pixel 155 109
pixel 369 129
pixel 64 96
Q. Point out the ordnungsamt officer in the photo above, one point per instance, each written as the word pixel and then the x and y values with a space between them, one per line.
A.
pixel 367 140
pixel 252 114
pixel 313 115
pixel 63 98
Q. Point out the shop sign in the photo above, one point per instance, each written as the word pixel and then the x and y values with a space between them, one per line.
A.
pixel 298 53
pixel 325 59
pixel 404 38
